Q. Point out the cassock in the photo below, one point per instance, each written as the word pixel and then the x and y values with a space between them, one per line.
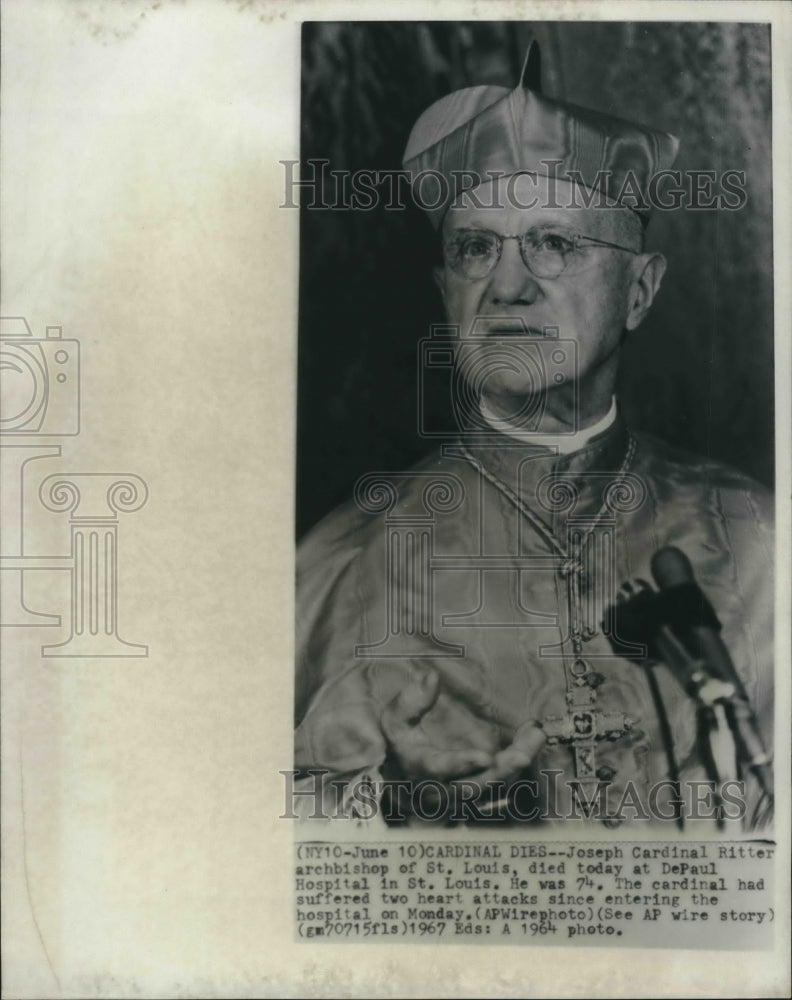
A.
pixel 497 564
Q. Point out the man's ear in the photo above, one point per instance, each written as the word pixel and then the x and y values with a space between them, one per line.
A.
pixel 647 276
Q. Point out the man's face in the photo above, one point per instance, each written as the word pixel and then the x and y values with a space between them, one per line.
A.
pixel 590 303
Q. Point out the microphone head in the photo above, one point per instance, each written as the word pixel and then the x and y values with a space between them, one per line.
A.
pixel 671 568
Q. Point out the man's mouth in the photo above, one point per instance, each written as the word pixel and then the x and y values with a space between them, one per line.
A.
pixel 505 327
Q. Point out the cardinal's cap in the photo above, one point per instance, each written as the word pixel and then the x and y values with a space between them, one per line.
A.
pixel 473 135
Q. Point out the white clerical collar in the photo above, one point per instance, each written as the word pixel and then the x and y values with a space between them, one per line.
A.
pixel 563 444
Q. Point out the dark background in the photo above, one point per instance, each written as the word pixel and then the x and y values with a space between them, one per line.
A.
pixel 699 372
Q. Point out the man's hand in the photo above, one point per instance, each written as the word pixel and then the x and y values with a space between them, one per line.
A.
pixel 419 758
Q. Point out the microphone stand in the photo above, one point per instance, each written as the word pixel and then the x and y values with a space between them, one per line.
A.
pixel 727 734
pixel 709 693
pixel 684 607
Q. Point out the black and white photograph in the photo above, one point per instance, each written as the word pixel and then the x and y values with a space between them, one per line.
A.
pixel 525 356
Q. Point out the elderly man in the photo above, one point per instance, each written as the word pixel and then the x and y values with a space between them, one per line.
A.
pixel 456 623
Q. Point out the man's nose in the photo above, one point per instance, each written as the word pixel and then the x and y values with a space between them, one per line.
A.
pixel 511 283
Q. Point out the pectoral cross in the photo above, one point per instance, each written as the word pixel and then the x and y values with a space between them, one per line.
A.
pixel 583 728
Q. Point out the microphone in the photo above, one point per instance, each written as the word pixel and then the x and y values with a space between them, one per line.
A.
pixel 697 623
pixel 693 621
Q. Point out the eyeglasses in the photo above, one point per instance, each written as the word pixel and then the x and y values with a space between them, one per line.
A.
pixel 547 253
